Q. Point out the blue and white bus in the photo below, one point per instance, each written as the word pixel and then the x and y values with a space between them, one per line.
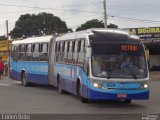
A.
pixel 95 64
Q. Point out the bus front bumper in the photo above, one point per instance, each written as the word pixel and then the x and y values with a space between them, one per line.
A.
pixel 118 94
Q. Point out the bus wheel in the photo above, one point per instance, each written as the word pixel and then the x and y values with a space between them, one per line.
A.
pixel 83 100
pixel 127 101
pixel 24 80
pixel 60 90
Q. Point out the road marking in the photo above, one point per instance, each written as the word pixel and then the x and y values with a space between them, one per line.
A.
pixel 4 85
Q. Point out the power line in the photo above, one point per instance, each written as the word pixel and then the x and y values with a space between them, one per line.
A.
pixel 74 27
pixel 50 8
pixel 79 17
pixel 39 8
pixel 95 3
pixel 133 3
pixel 135 7
pixel 61 9
pixel 91 7
pixel 142 20
pixel 114 17
pixel 22 11
pixel 119 19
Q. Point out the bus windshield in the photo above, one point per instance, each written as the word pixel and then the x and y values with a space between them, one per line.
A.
pixel 118 61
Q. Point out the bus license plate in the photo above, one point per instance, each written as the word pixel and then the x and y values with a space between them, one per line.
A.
pixel 122 95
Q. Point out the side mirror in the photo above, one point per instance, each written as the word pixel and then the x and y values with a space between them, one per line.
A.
pixel 88 52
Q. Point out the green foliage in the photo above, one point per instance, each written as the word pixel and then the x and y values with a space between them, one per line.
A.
pixel 91 24
pixel 43 23
pixel 94 23
pixel 3 38
pixel 112 26
pixel 70 30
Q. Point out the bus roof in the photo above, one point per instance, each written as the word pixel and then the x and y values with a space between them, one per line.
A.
pixel 33 40
pixel 84 33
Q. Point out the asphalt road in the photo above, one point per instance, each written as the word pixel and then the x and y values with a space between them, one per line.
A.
pixel 14 98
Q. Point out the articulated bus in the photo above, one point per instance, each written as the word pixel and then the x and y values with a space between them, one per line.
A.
pixel 95 64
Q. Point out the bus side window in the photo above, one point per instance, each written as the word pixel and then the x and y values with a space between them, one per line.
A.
pixel 57 51
pixel 14 53
pixel 29 52
pixel 79 46
pixel 22 50
pixel 70 52
pixel 18 50
pixel 75 53
pixel 66 48
pixel 36 52
pixel 81 55
pixel 44 52
pixel 62 52
pixel 73 49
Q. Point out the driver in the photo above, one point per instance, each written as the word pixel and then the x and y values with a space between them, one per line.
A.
pixel 127 62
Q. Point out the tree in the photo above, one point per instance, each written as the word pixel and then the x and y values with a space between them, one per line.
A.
pixel 43 23
pixel 70 30
pixel 94 23
pixel 3 38
pixel 112 26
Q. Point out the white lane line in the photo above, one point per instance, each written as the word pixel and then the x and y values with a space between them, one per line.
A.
pixel 4 85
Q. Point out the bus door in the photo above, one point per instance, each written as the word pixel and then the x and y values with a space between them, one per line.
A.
pixel 13 62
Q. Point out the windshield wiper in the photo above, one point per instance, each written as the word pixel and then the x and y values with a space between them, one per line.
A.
pixel 134 75
pixel 109 75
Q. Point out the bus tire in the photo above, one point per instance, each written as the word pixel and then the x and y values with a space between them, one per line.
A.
pixel 24 80
pixel 60 90
pixel 127 101
pixel 79 93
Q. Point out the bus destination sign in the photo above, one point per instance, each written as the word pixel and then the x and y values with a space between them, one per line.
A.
pixel 132 48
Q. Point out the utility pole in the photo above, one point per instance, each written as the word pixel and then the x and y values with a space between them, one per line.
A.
pixel 7 29
pixel 7 38
pixel 8 54
pixel 105 14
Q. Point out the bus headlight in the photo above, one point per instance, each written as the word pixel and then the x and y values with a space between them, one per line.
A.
pixel 145 85
pixel 96 85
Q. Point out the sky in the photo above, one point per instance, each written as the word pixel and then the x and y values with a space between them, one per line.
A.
pixel 124 13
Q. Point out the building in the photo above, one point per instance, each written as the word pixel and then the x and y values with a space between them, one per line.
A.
pixel 151 39
pixel 4 49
